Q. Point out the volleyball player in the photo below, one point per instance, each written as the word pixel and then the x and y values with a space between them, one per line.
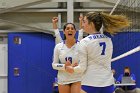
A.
pixel 95 51
pixel 66 55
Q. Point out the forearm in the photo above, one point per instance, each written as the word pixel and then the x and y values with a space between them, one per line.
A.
pixel 79 69
pixel 58 66
pixel 58 36
pixel 80 25
pixel 55 25
pixel 80 35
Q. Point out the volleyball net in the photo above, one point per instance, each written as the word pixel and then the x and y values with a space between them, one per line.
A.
pixel 128 40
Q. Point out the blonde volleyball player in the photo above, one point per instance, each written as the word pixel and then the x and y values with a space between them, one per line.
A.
pixel 95 52
pixel 65 55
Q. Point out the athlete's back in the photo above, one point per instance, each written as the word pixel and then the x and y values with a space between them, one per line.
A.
pixel 99 48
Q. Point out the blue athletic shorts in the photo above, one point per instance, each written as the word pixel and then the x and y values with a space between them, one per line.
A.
pixel 90 89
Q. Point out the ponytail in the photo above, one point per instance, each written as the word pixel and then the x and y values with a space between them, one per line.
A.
pixel 114 23
pixel 111 23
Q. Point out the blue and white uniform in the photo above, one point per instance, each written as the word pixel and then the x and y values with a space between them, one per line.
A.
pixel 95 53
pixel 61 54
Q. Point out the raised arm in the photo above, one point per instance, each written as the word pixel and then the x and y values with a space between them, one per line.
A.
pixel 80 36
pixel 56 31
pixel 80 21
pixel 54 21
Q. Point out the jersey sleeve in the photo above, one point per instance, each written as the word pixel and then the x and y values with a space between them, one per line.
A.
pixel 83 58
pixel 80 35
pixel 58 36
pixel 56 65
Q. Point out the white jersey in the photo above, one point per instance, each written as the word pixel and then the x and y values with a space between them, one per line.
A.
pixel 59 39
pixel 61 54
pixel 95 53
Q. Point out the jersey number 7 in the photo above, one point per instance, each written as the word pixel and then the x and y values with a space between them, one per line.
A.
pixel 103 44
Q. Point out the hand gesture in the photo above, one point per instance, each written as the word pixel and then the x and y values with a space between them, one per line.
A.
pixel 80 21
pixel 69 69
pixel 55 19
pixel 81 18
pixel 75 64
pixel 68 63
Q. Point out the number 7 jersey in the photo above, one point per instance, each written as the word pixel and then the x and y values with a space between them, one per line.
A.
pixel 95 54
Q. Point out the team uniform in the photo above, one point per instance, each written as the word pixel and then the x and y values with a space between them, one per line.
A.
pixel 95 53
pixel 61 54
pixel 59 39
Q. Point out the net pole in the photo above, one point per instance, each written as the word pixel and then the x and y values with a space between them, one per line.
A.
pixel 126 54
pixel 115 7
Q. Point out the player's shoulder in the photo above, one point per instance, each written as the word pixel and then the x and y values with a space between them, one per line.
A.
pixel 84 41
pixel 59 44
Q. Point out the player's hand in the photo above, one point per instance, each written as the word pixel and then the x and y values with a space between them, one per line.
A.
pixel 81 21
pixel 81 18
pixel 69 69
pixel 55 19
pixel 68 63
pixel 75 64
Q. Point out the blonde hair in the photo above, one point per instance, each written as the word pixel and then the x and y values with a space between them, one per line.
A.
pixel 111 23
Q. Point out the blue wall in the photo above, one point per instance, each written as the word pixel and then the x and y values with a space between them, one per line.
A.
pixel 33 57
